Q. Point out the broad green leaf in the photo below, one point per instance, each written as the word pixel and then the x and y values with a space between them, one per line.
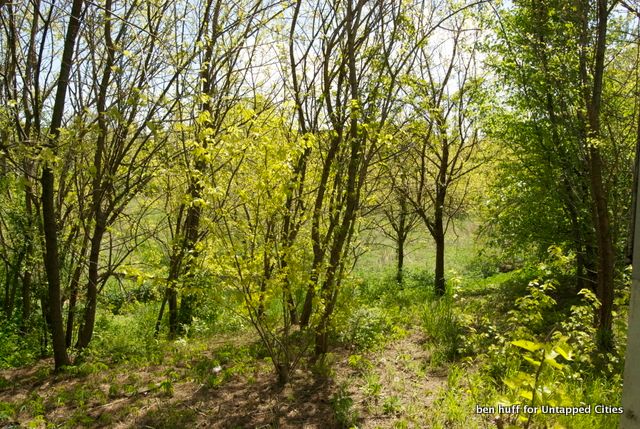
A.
pixel 527 345
pixel 551 361
pixel 526 394
pixel 563 350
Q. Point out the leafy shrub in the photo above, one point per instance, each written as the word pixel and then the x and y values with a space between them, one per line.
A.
pixel 126 337
pixel 367 328
pixel 16 349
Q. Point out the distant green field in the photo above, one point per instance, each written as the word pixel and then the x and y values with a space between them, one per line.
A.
pixel 380 255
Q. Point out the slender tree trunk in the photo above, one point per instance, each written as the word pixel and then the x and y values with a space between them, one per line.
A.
pixel 191 230
pixel 317 246
pixel 401 237
pixel 51 261
pixel 26 301
pixel 86 332
pixel 400 265
pixel 606 253
pixel 438 217
pixel 71 312
pixel 14 286
pixel 440 283
pixel 173 312
pixel 100 183
pixel 156 329
pixel 51 258
pixel 46 325
pixel 27 277
pixel 73 297
pixel 356 168
pixel 9 290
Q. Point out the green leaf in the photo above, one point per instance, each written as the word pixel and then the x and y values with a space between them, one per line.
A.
pixel 526 394
pixel 534 362
pixel 527 345
pixel 551 361
pixel 564 351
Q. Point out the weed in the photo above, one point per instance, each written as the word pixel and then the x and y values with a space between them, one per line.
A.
pixel 323 367
pixel 34 404
pixel 359 363
pixel 373 387
pixel 114 390
pixel 391 405
pixel 7 411
pixel 167 387
pixel 37 422
pixel 342 404
pixel 367 328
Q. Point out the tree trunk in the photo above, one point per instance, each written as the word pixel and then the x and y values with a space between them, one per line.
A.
pixel 400 265
pixel 71 312
pixel 185 314
pixel 26 301
pixel 86 333
pixel 401 237
pixel 51 262
pixel 51 259
pixel 317 246
pixel 46 325
pixel 172 299
pixel 440 283
pixel 593 101
pixel 27 277
pixel 73 297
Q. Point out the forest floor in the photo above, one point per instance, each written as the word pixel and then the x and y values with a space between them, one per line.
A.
pixel 227 381
pixel 370 390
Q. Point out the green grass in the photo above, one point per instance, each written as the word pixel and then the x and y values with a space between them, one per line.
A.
pixel 420 254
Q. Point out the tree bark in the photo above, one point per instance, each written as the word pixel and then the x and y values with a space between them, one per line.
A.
pixel 86 332
pixel 401 237
pixel 51 258
pixel 593 101
pixel 27 277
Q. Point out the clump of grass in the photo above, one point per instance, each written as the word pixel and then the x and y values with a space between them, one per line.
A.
pixel 442 324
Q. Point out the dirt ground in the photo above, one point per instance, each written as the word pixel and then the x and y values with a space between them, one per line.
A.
pixel 371 390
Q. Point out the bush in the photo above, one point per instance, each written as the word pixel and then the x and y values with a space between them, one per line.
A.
pixel 127 336
pixel 367 328
pixel 16 349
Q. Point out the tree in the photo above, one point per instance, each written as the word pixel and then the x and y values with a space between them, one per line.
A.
pixel 401 220
pixel 555 57
pixel 223 39
pixel 442 139
pixel 51 258
pixel 129 128
pixel 354 73
pixel 592 84
pixel 245 249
